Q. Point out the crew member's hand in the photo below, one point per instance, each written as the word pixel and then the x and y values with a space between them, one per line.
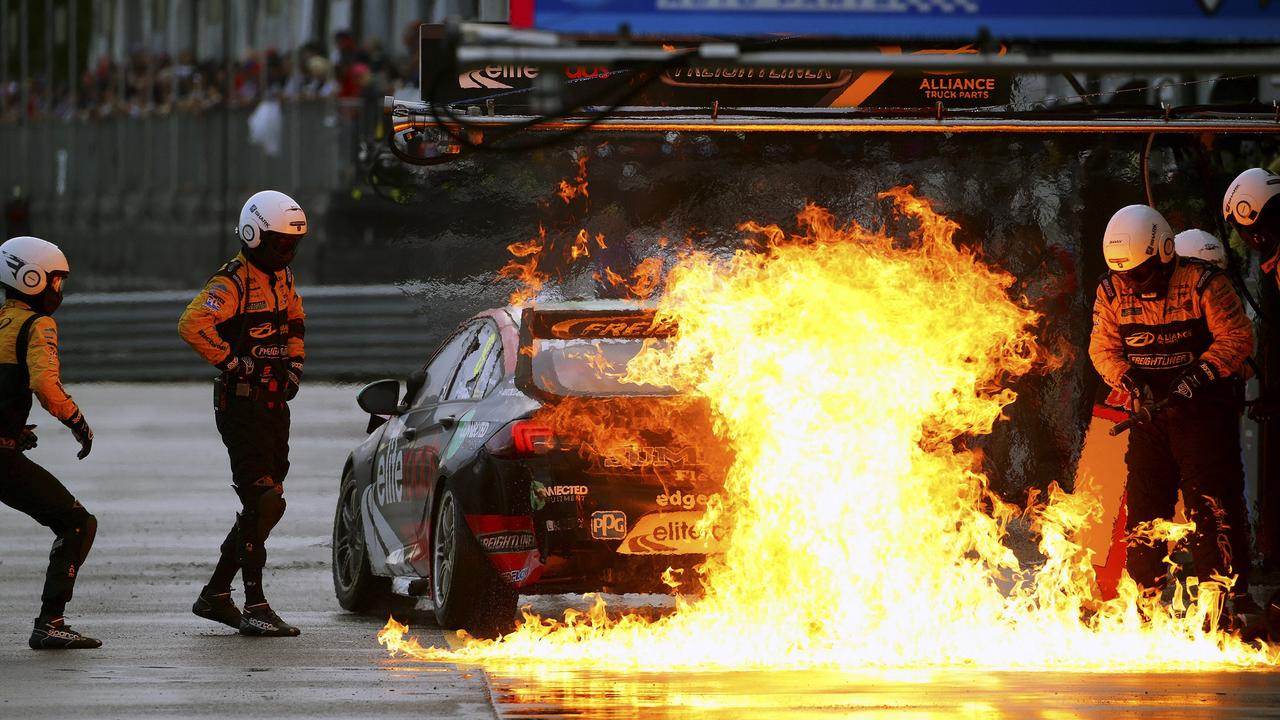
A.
pixel 1192 380
pixel 294 378
pixel 1265 408
pixel 1138 391
pixel 27 440
pixel 243 366
pixel 83 434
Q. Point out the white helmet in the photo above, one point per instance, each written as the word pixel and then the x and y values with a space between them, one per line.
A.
pixel 270 211
pixel 1244 204
pixel 1135 234
pixel 271 225
pixel 1200 245
pixel 28 263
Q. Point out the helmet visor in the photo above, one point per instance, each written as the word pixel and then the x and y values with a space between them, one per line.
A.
pixel 1149 277
pixel 1255 237
pixel 281 243
pixel 277 250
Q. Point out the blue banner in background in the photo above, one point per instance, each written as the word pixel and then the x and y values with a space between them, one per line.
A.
pixel 1081 20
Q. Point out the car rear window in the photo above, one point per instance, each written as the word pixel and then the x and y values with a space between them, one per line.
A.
pixel 586 352
pixel 590 366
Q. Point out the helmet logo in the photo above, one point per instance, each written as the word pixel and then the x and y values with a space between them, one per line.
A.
pixel 31 278
pixel 254 209
pixel 1245 211
pixel 1168 246
pixel 14 262
pixel 247 233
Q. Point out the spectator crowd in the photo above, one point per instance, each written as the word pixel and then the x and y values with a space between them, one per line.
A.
pixel 147 84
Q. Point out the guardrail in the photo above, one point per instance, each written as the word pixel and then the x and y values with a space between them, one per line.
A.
pixel 353 333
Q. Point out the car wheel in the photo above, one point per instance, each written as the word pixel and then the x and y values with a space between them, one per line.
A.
pixel 466 590
pixel 354 583
pixel 352 578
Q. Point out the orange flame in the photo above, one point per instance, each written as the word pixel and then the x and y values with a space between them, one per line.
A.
pixel 578 188
pixel 644 280
pixel 843 368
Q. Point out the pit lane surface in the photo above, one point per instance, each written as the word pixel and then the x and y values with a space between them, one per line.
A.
pixel 158 482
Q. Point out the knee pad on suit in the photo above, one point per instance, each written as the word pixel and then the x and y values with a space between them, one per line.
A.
pixel 254 525
pixel 75 531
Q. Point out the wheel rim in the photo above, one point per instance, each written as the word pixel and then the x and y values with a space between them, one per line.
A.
pixel 446 525
pixel 348 543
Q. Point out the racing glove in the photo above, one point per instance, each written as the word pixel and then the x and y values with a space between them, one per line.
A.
pixel 83 434
pixel 1265 408
pixel 1192 380
pixel 1138 391
pixel 243 366
pixel 293 378
pixel 27 440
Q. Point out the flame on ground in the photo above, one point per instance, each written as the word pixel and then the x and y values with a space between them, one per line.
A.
pixel 845 368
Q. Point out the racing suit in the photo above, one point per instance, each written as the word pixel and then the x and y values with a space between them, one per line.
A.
pixel 246 312
pixel 1193 445
pixel 29 364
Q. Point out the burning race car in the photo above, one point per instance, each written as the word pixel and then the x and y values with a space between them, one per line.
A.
pixel 521 460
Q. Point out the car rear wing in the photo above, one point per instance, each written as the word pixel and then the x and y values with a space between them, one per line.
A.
pixel 608 322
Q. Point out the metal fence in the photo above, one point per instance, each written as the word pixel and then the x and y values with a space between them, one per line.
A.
pixel 149 202
pixel 178 152
pixel 353 333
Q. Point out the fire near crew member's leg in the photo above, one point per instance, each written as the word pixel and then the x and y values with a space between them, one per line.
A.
pixel 1151 492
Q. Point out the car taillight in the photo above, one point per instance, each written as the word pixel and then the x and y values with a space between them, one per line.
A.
pixel 532 438
pixel 522 438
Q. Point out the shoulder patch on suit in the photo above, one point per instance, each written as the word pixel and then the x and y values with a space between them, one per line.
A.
pixel 1206 276
pixel 232 270
pixel 1108 287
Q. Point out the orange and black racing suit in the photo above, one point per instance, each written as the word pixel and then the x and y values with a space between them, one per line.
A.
pixel 29 364
pixel 1193 445
pixel 246 312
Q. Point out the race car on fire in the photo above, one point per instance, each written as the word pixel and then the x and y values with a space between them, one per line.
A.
pixel 519 460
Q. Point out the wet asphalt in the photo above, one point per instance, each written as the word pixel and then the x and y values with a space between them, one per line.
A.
pixel 158 482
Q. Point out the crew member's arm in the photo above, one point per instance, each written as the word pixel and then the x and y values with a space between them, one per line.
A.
pixel 45 372
pixel 1232 332
pixel 297 331
pixel 217 303
pixel 1105 348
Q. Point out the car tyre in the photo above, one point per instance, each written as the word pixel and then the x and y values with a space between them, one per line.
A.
pixel 357 588
pixel 467 592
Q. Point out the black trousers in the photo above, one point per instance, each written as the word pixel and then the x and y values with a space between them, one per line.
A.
pixel 256 434
pixel 1193 447
pixel 29 488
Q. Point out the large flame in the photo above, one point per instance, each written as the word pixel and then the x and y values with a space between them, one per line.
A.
pixel 847 369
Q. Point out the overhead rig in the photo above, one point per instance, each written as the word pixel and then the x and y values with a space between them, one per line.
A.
pixel 494 87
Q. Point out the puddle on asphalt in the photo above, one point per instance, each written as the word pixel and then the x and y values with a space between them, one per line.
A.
pixel 567 693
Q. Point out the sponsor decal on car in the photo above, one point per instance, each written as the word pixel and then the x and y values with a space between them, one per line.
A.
pixel 508 541
pixel 540 494
pixel 641 457
pixel 608 525
pixel 673 533
pixel 682 499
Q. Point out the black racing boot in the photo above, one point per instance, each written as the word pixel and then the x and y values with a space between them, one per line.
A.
pixel 218 607
pixel 260 620
pixel 53 634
